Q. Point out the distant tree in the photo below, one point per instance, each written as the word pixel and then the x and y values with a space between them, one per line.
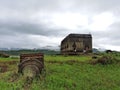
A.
pixel 108 51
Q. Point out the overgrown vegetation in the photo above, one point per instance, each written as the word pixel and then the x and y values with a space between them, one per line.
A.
pixel 66 73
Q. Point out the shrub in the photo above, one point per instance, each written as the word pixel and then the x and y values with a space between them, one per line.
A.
pixel 104 60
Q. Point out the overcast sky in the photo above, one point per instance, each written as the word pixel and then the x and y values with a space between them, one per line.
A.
pixel 44 23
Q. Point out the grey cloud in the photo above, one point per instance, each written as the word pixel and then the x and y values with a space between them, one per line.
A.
pixel 17 21
pixel 16 41
pixel 60 5
pixel 10 28
pixel 29 5
pixel 109 37
pixel 97 6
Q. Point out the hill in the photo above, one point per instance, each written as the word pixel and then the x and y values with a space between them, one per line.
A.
pixel 18 52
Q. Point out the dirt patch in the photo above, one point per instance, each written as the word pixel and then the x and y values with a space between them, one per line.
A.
pixel 52 62
pixel 8 62
pixel 12 62
pixel 70 62
pixel 3 68
pixel 4 65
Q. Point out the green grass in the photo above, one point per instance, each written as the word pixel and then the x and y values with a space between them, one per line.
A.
pixel 81 77
pixel 13 58
pixel 67 75
pixel 66 58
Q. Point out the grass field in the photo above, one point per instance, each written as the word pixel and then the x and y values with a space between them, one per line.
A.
pixel 62 73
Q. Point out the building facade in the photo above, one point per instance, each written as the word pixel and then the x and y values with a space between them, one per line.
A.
pixel 76 44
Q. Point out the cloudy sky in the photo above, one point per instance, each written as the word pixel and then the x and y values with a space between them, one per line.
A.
pixel 44 23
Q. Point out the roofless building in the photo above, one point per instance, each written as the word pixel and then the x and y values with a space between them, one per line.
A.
pixel 76 44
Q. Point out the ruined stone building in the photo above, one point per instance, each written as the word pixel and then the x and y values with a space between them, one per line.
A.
pixel 76 44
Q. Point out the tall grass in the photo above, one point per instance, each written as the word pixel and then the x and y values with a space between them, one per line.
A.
pixel 67 76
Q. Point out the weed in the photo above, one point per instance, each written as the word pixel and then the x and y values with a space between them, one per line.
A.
pixel 66 73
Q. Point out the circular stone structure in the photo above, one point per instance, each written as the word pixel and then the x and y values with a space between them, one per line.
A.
pixel 31 64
